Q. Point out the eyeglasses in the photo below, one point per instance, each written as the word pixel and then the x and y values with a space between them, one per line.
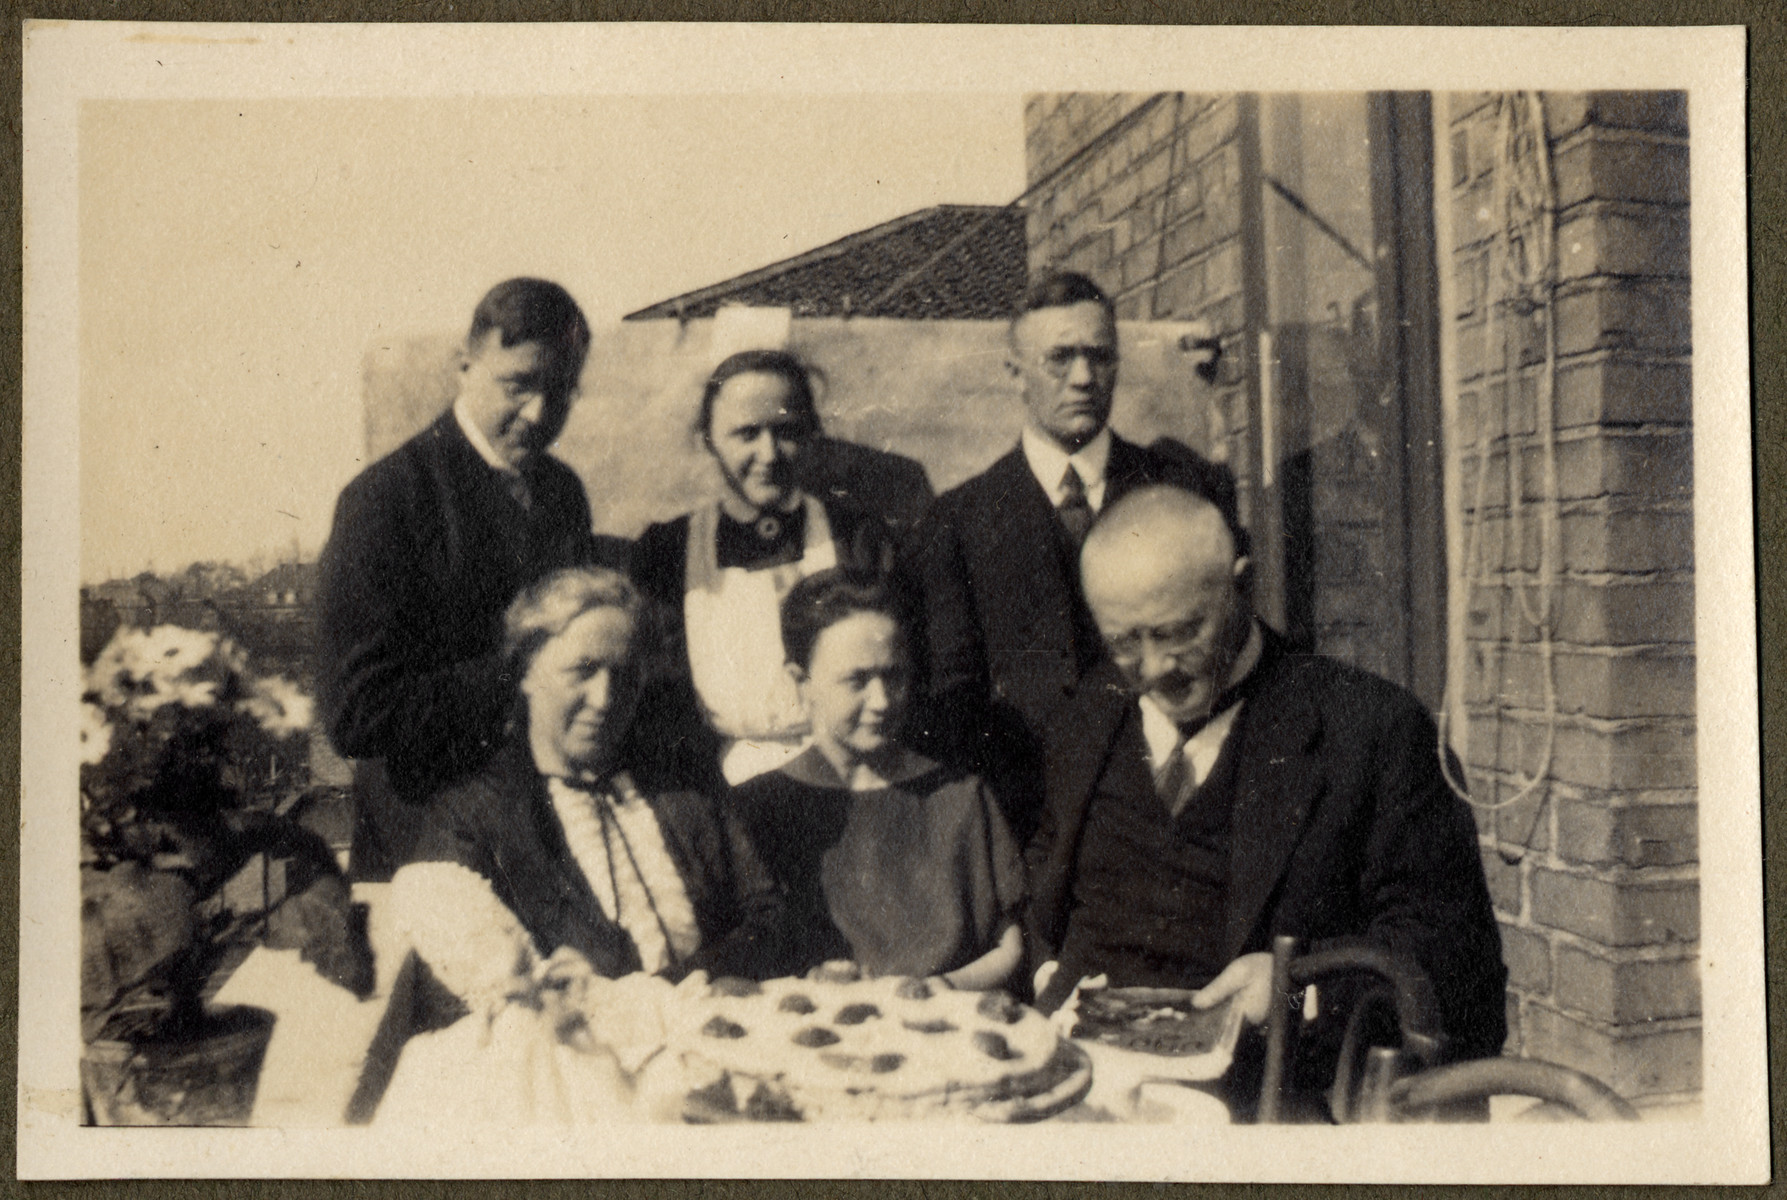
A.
pixel 1171 640
pixel 1059 360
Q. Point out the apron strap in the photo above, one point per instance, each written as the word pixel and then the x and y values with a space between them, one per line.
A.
pixel 731 619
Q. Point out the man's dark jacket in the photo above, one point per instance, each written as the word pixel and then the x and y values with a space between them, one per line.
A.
pixel 1343 827
pixel 428 548
pixel 1007 631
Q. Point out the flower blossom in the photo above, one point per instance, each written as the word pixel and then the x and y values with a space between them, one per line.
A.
pixel 96 733
pixel 279 706
pixel 144 670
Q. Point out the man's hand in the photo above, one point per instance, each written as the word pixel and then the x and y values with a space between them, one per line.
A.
pixel 1249 980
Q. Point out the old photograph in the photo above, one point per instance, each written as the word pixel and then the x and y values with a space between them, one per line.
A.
pixel 1025 602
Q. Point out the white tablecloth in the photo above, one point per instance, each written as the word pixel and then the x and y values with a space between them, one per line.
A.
pixel 321 1032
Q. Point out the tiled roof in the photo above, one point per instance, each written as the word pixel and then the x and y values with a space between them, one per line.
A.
pixel 955 261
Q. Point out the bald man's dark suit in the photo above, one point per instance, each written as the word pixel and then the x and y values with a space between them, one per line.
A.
pixel 1343 827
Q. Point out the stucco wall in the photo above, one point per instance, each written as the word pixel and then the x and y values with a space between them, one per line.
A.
pixel 937 391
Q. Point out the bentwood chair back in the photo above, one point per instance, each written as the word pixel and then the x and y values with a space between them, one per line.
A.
pixel 1402 1083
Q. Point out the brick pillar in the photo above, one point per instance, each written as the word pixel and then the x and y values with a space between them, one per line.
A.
pixel 1594 875
pixel 1142 194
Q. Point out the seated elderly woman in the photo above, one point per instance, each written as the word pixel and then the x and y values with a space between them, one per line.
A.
pixel 558 846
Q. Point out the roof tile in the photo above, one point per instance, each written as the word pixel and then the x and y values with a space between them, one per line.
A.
pixel 951 262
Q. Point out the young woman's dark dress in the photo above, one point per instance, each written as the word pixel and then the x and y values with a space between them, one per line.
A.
pixel 917 878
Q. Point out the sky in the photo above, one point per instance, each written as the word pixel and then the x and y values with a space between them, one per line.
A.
pixel 238 258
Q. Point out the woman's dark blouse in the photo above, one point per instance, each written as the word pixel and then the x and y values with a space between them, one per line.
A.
pixel 917 878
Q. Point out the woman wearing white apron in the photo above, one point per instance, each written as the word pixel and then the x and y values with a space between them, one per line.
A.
pixel 717 575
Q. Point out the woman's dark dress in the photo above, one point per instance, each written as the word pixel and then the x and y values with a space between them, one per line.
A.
pixel 917 878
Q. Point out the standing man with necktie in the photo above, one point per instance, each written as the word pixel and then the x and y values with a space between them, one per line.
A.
pixel 429 546
pixel 1007 631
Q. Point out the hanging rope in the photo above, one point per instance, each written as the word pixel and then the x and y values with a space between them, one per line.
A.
pixel 1525 253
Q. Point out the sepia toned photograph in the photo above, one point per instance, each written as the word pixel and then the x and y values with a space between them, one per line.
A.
pixel 888 602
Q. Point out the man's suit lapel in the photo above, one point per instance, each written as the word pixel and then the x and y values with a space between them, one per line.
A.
pixel 1020 525
pixel 1083 737
pixel 484 524
pixel 1024 514
pixel 1128 468
pixel 1278 781
pixel 455 468
pixel 1015 523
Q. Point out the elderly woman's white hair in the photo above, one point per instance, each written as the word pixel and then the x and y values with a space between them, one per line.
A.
pixel 545 608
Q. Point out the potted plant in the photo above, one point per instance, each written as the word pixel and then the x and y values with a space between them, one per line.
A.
pixel 189 857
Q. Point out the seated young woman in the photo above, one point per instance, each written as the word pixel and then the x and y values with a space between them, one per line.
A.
pixel 559 847
pixel 888 859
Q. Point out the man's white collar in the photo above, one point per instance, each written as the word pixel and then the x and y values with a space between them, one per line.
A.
pixel 476 437
pixel 1162 732
pixel 1049 463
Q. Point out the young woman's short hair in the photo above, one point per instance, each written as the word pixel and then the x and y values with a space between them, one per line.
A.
pixel 822 600
pixel 531 310
pixel 544 609
pixel 768 362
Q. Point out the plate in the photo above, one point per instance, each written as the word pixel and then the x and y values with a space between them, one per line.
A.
pixel 1157 1021
pixel 1058 1084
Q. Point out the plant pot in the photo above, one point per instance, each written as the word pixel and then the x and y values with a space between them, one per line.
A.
pixel 207 1078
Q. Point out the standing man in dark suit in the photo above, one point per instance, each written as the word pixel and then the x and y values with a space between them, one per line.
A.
pixel 1209 789
pixel 429 546
pixel 1007 631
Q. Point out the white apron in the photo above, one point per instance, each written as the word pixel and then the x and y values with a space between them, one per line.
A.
pixel 732 619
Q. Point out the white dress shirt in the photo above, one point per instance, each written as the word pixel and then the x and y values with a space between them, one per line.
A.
pixel 1049 463
pixel 631 872
pixel 1202 748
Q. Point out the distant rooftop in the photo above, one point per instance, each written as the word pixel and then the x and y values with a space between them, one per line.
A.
pixel 954 261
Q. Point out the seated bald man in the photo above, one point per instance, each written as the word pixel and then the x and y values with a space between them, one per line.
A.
pixel 1208 789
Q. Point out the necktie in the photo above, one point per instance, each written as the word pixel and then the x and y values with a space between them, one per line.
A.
pixel 517 485
pixel 1075 509
pixel 1173 780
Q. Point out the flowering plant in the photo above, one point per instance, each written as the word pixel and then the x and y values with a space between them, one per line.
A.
pixel 175 730
pixel 182 747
